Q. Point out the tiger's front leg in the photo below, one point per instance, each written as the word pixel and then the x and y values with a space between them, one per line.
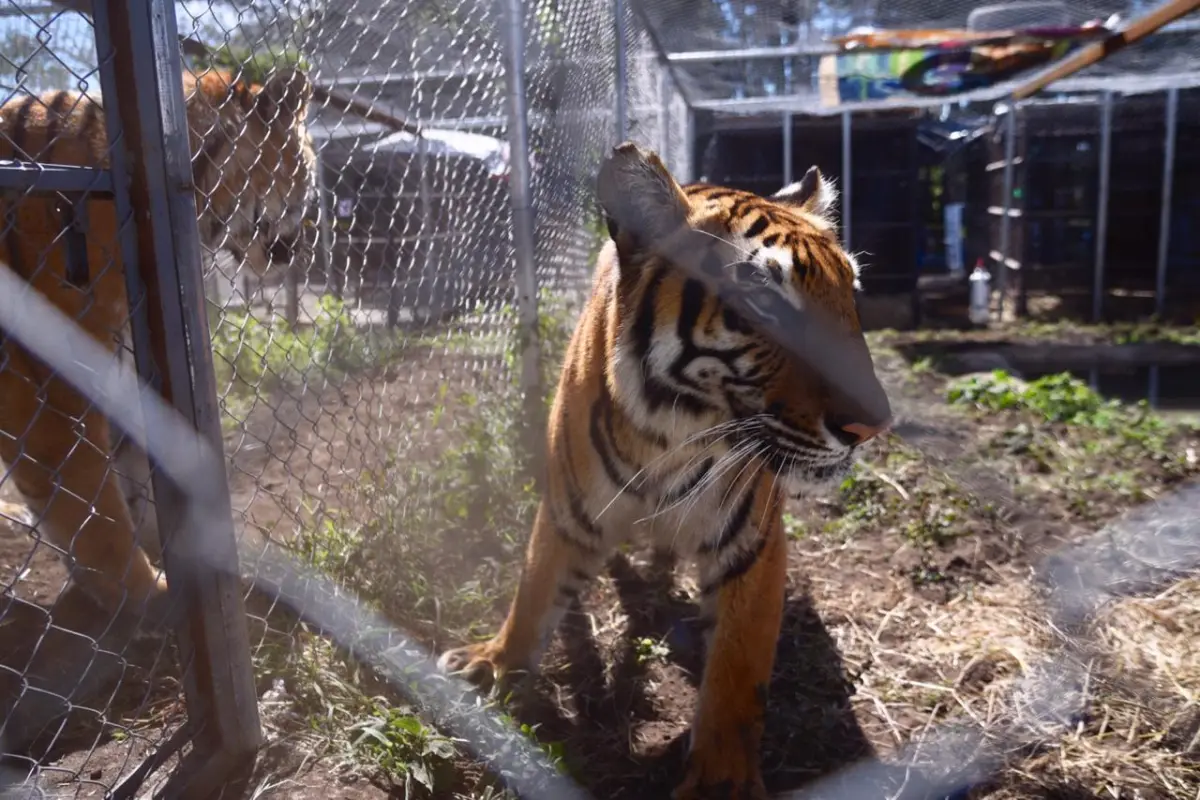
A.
pixel 746 596
pixel 558 565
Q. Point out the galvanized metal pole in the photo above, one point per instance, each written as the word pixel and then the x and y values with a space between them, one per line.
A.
pixel 326 206
pixel 1010 168
pixel 788 168
pixel 847 173
pixel 1164 220
pixel 664 114
pixel 619 30
pixel 427 232
pixel 1106 112
pixel 520 183
pixel 689 146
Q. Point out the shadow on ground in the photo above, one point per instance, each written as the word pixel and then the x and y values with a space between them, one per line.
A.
pixel 624 729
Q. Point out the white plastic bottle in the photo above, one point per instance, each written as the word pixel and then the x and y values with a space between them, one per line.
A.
pixel 981 290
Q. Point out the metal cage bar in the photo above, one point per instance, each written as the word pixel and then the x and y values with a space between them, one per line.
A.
pixel 202 566
pixel 847 173
pixel 1105 157
pixel 524 242
pixel 1164 225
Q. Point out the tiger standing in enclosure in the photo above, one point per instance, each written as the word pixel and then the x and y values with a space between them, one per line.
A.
pixel 253 159
pixel 677 416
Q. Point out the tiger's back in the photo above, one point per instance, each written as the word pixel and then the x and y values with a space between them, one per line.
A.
pixel 685 412
pixel 252 164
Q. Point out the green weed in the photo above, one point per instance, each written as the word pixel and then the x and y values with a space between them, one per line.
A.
pixel 1056 398
pixel 397 744
pixel 651 651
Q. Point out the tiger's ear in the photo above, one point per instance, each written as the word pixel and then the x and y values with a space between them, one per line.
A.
pixel 284 98
pixel 642 203
pixel 813 194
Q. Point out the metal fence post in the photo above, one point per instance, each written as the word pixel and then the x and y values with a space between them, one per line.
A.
pixel 664 113
pixel 1010 155
pixel 520 182
pixel 788 168
pixel 689 145
pixel 847 167
pixel 1106 111
pixel 324 224
pixel 202 567
pixel 620 72
pixel 1164 224
pixel 424 231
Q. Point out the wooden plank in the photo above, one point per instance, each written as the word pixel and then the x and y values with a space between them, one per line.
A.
pixel 1139 29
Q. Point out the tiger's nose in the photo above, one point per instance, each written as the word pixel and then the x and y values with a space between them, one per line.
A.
pixel 852 434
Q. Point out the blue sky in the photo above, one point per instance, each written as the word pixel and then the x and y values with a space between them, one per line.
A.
pixel 68 43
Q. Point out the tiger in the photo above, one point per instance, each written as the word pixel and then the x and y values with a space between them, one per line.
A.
pixel 683 417
pixel 253 162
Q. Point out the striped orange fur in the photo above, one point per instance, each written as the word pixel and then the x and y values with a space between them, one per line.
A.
pixel 679 420
pixel 252 164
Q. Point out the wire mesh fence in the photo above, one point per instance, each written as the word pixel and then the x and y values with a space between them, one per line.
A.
pixel 76 669
pixel 364 357
pixel 368 313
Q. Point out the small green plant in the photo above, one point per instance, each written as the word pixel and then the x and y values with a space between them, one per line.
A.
pixel 330 546
pixel 650 651
pixel 399 745
pixel 251 356
pixel 793 527
pixel 922 365
pixel 555 751
pixel 861 500
pixel 1057 398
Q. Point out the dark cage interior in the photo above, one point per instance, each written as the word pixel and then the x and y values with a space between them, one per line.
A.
pixel 1056 190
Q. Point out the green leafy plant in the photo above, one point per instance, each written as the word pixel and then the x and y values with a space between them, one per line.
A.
pixel 650 651
pixel 1057 398
pixel 397 743
pixel 251 355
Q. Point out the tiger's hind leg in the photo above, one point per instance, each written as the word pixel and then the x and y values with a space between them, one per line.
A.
pixel 556 571
pixel 57 447
pixel 745 594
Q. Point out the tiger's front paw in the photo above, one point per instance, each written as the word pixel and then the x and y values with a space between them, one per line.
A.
pixel 485 665
pixel 721 774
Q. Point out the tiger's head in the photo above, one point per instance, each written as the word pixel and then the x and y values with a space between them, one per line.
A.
pixel 736 314
pixel 253 162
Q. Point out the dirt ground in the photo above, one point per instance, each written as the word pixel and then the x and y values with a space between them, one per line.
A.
pixel 915 602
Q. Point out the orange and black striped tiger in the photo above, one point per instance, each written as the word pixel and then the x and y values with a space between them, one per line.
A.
pixel 680 418
pixel 253 161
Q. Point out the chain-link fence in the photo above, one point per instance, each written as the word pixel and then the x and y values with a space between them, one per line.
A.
pixel 368 315
pixel 360 269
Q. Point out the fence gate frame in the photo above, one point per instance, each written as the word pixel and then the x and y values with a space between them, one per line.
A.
pixel 150 181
